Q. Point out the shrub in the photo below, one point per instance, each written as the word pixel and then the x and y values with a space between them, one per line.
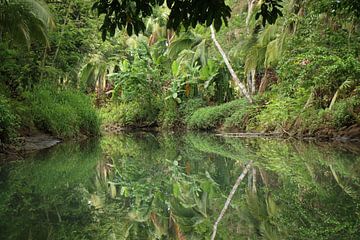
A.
pixel 346 112
pixel 281 112
pixel 242 118
pixel 169 115
pixel 189 107
pixel 64 113
pixel 9 121
pixel 131 114
pixel 208 118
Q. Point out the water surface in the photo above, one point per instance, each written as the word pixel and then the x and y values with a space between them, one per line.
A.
pixel 147 186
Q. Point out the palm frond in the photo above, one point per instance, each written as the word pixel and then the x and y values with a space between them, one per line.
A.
pixel 24 21
pixel 201 53
pixel 267 34
pixel 182 43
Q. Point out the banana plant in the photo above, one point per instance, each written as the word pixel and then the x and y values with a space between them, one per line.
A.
pixel 94 74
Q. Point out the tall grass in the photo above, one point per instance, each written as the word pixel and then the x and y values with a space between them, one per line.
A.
pixel 64 113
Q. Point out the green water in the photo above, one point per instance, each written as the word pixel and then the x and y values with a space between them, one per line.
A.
pixel 146 186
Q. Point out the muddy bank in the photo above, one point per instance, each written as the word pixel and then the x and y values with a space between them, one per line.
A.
pixel 27 144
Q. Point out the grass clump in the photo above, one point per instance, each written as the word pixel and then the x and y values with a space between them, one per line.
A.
pixel 189 107
pixel 346 112
pixel 242 119
pixel 62 112
pixel 174 115
pixel 169 115
pixel 209 118
pixel 130 114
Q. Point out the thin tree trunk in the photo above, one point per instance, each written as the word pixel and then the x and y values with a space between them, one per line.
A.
pixel 228 65
pixel 264 82
pixel 229 198
pixel 253 82
pixel 333 100
pixel 62 31
pixel 251 74
pixel 251 4
pixel 43 64
pixel 307 105
pixel 249 83
pixel 254 180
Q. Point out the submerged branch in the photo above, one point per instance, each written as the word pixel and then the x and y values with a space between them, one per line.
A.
pixel 229 198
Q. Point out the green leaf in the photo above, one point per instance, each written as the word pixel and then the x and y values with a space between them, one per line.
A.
pixel 175 68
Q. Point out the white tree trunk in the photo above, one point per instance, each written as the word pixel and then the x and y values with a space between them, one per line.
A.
pixel 249 83
pixel 228 65
pixel 251 4
pixel 251 74
pixel 253 82
pixel 228 200
pixel 66 20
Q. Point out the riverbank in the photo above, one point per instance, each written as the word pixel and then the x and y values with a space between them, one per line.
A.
pixel 239 117
pixel 27 144
pixel 43 116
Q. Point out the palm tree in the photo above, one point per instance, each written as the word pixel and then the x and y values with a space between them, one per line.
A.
pixel 24 21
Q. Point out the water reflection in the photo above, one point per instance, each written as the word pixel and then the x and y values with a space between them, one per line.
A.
pixel 143 186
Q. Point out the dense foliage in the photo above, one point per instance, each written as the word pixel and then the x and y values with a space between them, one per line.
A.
pixel 8 121
pixel 297 65
pixel 40 68
pixel 130 15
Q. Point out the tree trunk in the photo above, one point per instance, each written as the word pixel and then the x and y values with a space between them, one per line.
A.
pixel 62 31
pixel 228 65
pixel 264 82
pixel 333 100
pixel 253 180
pixel 249 83
pixel 229 198
pixel 253 82
pixel 43 65
pixel 251 4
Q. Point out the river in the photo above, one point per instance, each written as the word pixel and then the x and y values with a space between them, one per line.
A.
pixel 155 186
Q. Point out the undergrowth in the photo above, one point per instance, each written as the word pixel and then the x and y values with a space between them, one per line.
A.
pixel 64 113
pixel 209 118
pixel 132 114
pixel 9 121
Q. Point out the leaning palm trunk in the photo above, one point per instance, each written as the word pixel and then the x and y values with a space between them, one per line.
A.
pixel 251 74
pixel 242 87
pixel 228 200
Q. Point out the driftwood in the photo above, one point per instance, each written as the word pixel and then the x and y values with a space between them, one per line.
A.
pixel 247 135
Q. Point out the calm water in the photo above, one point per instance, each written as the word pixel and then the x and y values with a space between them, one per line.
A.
pixel 145 186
